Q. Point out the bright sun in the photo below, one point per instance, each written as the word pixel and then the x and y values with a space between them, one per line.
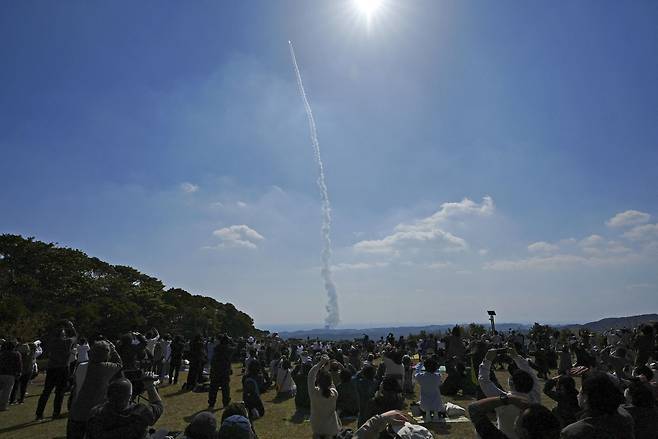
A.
pixel 368 7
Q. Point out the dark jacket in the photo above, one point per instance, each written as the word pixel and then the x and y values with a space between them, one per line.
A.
pixel 220 365
pixel 601 426
pixel 10 363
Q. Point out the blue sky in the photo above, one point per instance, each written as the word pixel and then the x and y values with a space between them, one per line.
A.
pixel 477 154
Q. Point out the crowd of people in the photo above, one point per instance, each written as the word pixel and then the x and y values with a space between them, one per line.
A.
pixel 603 384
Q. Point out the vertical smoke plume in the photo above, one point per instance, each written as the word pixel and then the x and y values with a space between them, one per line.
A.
pixel 333 317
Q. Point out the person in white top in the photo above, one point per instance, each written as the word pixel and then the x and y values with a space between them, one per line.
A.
pixel 430 390
pixel 323 396
pixel 286 387
pixel 83 351
pixel 523 382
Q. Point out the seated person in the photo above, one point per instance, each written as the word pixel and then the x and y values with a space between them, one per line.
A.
pixel 203 426
pixel 236 427
pixel 430 393
pixel 523 382
pixel 602 416
pixel 534 420
pixel 236 411
pixel 642 407
pixel 347 403
pixel 121 418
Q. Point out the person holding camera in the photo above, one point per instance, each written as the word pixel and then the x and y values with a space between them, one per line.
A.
pixel 523 382
pixel 94 376
pixel 119 417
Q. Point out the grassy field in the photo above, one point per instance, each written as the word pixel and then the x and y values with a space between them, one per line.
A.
pixel 180 407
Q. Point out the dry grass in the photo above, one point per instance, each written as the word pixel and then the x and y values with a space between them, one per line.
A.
pixel 278 423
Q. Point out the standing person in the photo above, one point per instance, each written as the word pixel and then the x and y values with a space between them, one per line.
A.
pixel 285 385
pixel 176 358
pixel 152 339
pixel 104 363
pixel 165 347
pixel 220 371
pixel 197 358
pixel 323 396
pixel 10 370
pixel 57 372
pixel 27 352
pixel 430 390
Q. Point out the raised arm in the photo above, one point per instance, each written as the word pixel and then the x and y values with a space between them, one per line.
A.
pixel 488 387
pixel 313 373
pixel 522 363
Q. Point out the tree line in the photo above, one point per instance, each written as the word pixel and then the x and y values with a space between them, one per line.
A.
pixel 42 283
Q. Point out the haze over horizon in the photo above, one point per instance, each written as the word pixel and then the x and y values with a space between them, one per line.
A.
pixel 478 155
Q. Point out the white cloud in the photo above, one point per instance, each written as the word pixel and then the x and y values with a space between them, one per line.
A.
pixel 428 232
pixel 483 252
pixel 646 232
pixel 241 204
pixel 542 247
pixel 188 187
pixel 591 241
pixel 238 236
pixel 628 218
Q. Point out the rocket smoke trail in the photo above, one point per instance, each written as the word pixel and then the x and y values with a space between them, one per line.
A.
pixel 333 317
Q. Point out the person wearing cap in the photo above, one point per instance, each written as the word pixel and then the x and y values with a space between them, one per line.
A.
pixel 92 379
pixel 119 418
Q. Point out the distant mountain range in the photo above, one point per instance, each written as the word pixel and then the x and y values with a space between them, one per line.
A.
pixel 376 333
pixel 617 322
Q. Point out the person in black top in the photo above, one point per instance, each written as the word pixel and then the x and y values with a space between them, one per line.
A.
pixel 197 358
pixel 121 418
pixel 177 347
pixel 220 371
pixel 57 372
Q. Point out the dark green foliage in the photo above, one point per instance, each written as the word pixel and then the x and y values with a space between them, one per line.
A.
pixel 476 330
pixel 41 283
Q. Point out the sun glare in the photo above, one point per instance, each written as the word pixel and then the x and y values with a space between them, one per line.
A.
pixel 368 7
